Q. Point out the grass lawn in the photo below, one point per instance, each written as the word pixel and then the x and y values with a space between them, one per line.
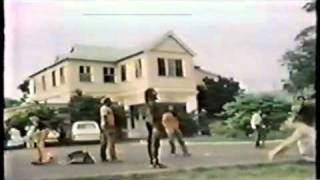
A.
pixel 216 138
pixel 295 171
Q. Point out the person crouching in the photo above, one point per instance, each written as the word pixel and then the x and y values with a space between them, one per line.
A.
pixel 171 125
pixel 39 136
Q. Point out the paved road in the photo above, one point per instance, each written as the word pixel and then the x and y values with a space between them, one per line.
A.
pixel 17 162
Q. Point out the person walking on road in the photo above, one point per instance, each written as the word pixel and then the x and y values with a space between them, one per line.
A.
pixel 258 126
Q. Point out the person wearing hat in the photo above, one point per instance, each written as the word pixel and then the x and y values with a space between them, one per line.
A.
pixel 108 131
pixel 39 135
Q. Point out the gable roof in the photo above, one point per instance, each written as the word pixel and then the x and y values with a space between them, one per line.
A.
pixel 108 54
pixel 172 35
pixel 111 54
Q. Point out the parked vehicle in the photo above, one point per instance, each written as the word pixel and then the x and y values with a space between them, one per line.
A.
pixel 15 141
pixel 85 131
pixel 53 137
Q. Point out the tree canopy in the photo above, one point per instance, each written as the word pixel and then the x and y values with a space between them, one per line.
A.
pixel 24 88
pixel 217 92
pixel 300 61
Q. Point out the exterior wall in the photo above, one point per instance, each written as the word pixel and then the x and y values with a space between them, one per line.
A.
pixel 58 94
pixel 131 91
pixel 172 89
pixel 170 45
pixel 97 86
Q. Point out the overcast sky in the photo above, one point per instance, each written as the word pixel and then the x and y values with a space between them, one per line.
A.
pixel 239 39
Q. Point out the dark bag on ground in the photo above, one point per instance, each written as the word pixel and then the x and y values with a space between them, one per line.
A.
pixel 80 157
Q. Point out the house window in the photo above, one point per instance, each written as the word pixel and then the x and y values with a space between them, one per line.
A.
pixel 175 68
pixel 123 73
pixel 62 78
pixel 43 79
pixel 53 78
pixel 138 68
pixel 34 86
pixel 172 68
pixel 179 70
pixel 108 74
pixel 85 74
pixel 161 67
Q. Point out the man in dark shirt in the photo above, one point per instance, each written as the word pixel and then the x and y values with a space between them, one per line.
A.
pixel 154 127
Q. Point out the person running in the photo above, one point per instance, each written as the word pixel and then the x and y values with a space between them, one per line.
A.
pixel 171 125
pixel 154 127
pixel 302 121
pixel 108 131
pixel 258 126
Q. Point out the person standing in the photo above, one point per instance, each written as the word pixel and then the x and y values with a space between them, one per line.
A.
pixel 108 131
pixel 171 125
pixel 257 125
pixel 154 127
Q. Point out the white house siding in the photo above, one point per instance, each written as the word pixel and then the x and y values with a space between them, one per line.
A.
pixel 58 94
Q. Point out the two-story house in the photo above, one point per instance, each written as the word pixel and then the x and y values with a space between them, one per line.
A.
pixel 123 75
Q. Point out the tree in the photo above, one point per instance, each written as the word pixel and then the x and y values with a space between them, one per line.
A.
pixel 300 61
pixel 11 102
pixel 83 107
pixel 24 88
pixel 216 93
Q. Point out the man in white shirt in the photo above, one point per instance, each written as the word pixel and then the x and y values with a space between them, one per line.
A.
pixel 108 130
pixel 257 126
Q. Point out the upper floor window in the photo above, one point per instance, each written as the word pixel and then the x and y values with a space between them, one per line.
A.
pixel 62 78
pixel 34 86
pixel 44 86
pixel 85 74
pixel 175 68
pixel 123 73
pixel 138 68
pixel 161 67
pixel 53 78
pixel 108 74
pixel 170 67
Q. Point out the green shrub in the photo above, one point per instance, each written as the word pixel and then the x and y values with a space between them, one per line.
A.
pixel 187 124
pixel 239 113
pixel 218 128
pixel 236 133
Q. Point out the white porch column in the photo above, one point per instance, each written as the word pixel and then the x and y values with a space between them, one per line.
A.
pixel 129 126
pixel 191 103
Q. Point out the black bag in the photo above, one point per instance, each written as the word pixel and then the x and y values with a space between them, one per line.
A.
pixel 80 157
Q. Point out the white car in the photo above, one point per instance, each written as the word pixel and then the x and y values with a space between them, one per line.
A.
pixel 53 136
pixel 15 140
pixel 85 131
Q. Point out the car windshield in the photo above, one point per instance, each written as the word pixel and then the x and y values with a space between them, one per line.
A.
pixel 86 126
